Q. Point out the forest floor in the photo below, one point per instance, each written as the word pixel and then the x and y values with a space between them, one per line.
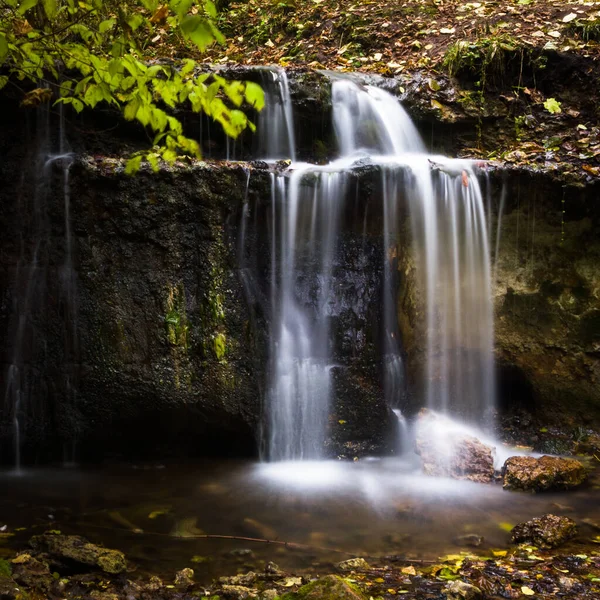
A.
pixel 391 37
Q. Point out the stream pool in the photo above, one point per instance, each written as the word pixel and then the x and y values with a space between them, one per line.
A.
pixel 335 509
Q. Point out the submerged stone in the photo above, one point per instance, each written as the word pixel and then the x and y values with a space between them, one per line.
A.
pixel 78 549
pixel 541 474
pixel 469 539
pixel 330 587
pixel 548 531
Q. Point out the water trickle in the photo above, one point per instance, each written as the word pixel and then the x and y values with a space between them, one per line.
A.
pixel 35 277
pixel 276 125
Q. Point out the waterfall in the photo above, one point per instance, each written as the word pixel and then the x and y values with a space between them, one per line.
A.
pixel 450 243
pixel 275 122
pixel 305 225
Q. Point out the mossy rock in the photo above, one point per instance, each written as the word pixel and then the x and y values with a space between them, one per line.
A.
pixel 78 549
pixel 541 474
pixel 330 587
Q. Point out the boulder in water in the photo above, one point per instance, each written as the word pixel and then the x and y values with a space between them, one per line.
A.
pixel 541 474
pixel 447 450
pixel 548 531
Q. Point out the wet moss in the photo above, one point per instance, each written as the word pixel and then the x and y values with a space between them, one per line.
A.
pixel 176 318
pixel 5 568
pixel 330 587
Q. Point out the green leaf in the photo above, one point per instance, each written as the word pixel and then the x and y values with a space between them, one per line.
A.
pixel 255 95
pixel 93 95
pixel 77 105
pixel 188 66
pixel 552 106
pixel 210 9
pixel 154 70
pixel 143 114
pixel 152 158
pixel 135 21
pixel 106 25
pixel 3 48
pixel 3 81
pixel 181 7
pixel 26 5
pixel 49 8
pixel 150 5
pixel 197 29
pixel 133 165
pixel 235 92
pixel 131 109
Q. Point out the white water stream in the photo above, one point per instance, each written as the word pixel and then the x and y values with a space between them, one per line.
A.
pixel 451 251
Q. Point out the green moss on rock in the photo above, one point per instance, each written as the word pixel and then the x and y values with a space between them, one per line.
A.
pixel 78 549
pixel 330 587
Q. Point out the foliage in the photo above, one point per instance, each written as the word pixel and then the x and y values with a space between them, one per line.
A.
pixel 586 29
pixel 487 54
pixel 87 52
pixel 552 106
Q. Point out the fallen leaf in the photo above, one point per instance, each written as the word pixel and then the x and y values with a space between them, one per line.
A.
pixel 568 18
pixel 527 591
pixel 447 30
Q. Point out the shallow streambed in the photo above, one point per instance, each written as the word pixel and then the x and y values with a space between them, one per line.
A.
pixel 376 508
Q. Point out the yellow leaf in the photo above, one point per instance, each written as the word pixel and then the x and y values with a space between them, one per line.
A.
pixel 505 526
pixel 409 570
pixel 342 422
pixel 499 552
pixel 526 591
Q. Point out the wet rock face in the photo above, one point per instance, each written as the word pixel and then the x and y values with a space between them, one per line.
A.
pixel 548 531
pixel 547 295
pixel 541 474
pixel 451 453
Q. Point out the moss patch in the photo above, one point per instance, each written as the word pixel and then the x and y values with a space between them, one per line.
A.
pixel 330 587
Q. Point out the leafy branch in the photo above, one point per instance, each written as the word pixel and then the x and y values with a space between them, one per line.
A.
pixel 95 51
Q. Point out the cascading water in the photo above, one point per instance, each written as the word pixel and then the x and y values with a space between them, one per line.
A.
pixel 452 249
pixel 305 225
pixel 450 241
pixel 276 125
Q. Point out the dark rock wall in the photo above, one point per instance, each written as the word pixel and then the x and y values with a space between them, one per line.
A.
pixel 547 292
